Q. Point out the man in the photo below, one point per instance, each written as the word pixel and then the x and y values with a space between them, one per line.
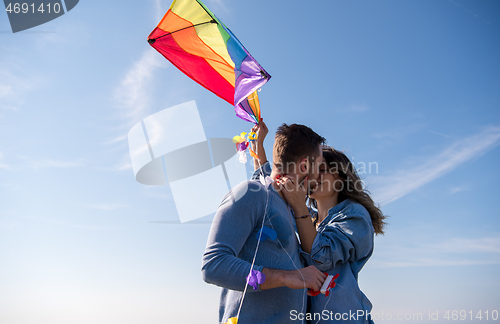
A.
pixel 236 229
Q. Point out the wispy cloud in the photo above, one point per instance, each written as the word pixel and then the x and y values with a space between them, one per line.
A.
pixel 217 4
pixel 49 163
pixel 398 133
pixel 115 140
pixel 427 252
pixel 354 108
pixel 11 186
pixel 159 10
pixel 134 92
pixel 61 222
pixel 389 188
pixel 13 84
pixel 468 245
pixel 124 164
pixel 121 164
pixel 438 133
pixel 133 97
pixel 107 206
pixel 4 165
pixel 214 5
pixel 455 190
pixel 470 12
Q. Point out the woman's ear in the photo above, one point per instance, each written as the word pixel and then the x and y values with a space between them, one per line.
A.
pixel 338 183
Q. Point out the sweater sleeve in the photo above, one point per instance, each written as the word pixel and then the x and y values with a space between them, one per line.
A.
pixel 264 169
pixel 347 237
pixel 241 210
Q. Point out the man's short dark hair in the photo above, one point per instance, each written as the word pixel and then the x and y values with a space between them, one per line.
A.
pixel 294 142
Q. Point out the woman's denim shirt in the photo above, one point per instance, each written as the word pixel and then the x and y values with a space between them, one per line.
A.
pixel 343 245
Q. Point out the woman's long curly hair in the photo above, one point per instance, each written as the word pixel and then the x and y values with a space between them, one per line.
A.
pixel 352 186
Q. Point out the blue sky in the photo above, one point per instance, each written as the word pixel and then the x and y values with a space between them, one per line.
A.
pixel 410 86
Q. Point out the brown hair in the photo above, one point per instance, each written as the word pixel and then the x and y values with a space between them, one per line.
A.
pixel 352 188
pixel 294 142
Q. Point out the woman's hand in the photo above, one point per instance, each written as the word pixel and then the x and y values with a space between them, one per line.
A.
pixel 295 194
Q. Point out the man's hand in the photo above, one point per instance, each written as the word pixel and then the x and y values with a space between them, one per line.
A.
pixel 261 130
pixel 258 146
pixel 310 277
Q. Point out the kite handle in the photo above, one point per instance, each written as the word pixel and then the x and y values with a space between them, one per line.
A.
pixel 328 284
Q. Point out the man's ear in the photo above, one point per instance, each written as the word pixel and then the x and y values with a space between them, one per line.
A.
pixel 304 165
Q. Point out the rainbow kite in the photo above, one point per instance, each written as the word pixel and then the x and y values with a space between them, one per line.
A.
pixel 201 46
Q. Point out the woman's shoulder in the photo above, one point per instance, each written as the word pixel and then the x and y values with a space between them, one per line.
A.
pixel 264 170
pixel 351 213
pixel 349 208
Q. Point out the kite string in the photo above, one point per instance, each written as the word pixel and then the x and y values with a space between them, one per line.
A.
pixel 258 243
pixel 294 265
pixel 326 304
pixel 330 297
pixel 281 245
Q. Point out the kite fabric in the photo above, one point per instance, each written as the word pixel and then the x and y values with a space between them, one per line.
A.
pixel 201 46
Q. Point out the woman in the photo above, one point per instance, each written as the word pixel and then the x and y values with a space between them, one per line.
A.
pixel 336 231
